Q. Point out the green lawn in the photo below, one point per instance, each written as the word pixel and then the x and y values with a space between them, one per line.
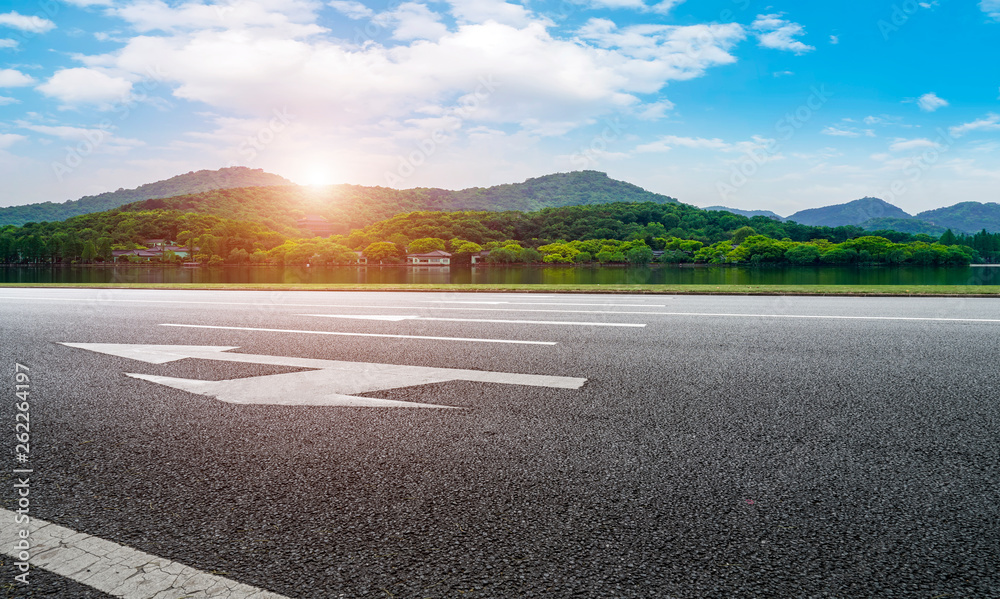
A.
pixel 849 290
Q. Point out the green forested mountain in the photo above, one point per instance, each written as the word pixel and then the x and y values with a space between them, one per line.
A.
pixel 192 182
pixel 749 213
pixel 851 213
pixel 355 206
pixel 967 217
pixel 903 225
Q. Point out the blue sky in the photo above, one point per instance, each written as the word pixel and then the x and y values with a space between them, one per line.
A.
pixel 758 105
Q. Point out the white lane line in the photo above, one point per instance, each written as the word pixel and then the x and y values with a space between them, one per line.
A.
pixel 206 326
pixel 821 316
pixel 115 569
pixel 494 303
pixel 91 300
pixel 400 318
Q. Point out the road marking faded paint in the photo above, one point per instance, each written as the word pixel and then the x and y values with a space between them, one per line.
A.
pixel 307 332
pixel 399 318
pixel 115 569
pixel 828 316
pixel 327 383
pixel 632 305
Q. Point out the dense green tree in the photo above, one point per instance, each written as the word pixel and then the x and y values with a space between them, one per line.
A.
pixel 104 249
pixel 382 251
pixel 640 255
pixel 803 254
pixel 739 235
pixel 425 245
pixel 89 251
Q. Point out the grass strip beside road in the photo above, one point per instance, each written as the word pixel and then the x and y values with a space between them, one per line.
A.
pixel 826 290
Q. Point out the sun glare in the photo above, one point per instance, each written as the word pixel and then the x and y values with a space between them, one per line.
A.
pixel 318 176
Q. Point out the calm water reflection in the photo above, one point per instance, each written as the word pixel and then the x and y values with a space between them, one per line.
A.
pixel 531 275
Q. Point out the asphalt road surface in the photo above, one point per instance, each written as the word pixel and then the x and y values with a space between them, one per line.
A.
pixel 730 447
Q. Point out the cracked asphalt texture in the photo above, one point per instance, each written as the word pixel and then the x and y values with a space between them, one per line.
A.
pixel 705 456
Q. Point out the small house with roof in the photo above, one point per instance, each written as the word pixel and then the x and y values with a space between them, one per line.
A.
pixel 437 257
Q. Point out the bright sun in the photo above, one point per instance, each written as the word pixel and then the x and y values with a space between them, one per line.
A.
pixel 318 176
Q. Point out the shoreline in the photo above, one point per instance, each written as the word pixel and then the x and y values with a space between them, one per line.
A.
pixel 965 291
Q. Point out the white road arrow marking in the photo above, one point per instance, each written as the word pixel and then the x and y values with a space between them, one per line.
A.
pixel 328 383
pixel 393 318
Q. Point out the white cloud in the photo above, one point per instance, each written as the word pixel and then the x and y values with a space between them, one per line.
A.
pixel 412 21
pixel 669 142
pixel 663 52
pixel 834 39
pixel 663 7
pixel 352 9
pixel 834 131
pixel 103 140
pixel 5 100
pixel 85 86
pixel 991 8
pixel 536 75
pixel 31 24
pixel 14 78
pixel 655 111
pixel 289 18
pixel 990 122
pixel 615 4
pixel 64 131
pixel 482 11
pixel 8 43
pixel 9 139
pixel 778 34
pixel 784 73
pixel 931 102
pixel 904 145
pixel 492 76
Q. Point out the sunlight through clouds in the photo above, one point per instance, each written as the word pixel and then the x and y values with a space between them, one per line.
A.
pixel 490 91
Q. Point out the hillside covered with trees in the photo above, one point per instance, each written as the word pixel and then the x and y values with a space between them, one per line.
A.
pixel 356 206
pixel 188 183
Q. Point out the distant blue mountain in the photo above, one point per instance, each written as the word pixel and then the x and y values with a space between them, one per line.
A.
pixel 851 213
pixel 967 217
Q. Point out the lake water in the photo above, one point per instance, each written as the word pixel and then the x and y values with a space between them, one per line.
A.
pixel 531 275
